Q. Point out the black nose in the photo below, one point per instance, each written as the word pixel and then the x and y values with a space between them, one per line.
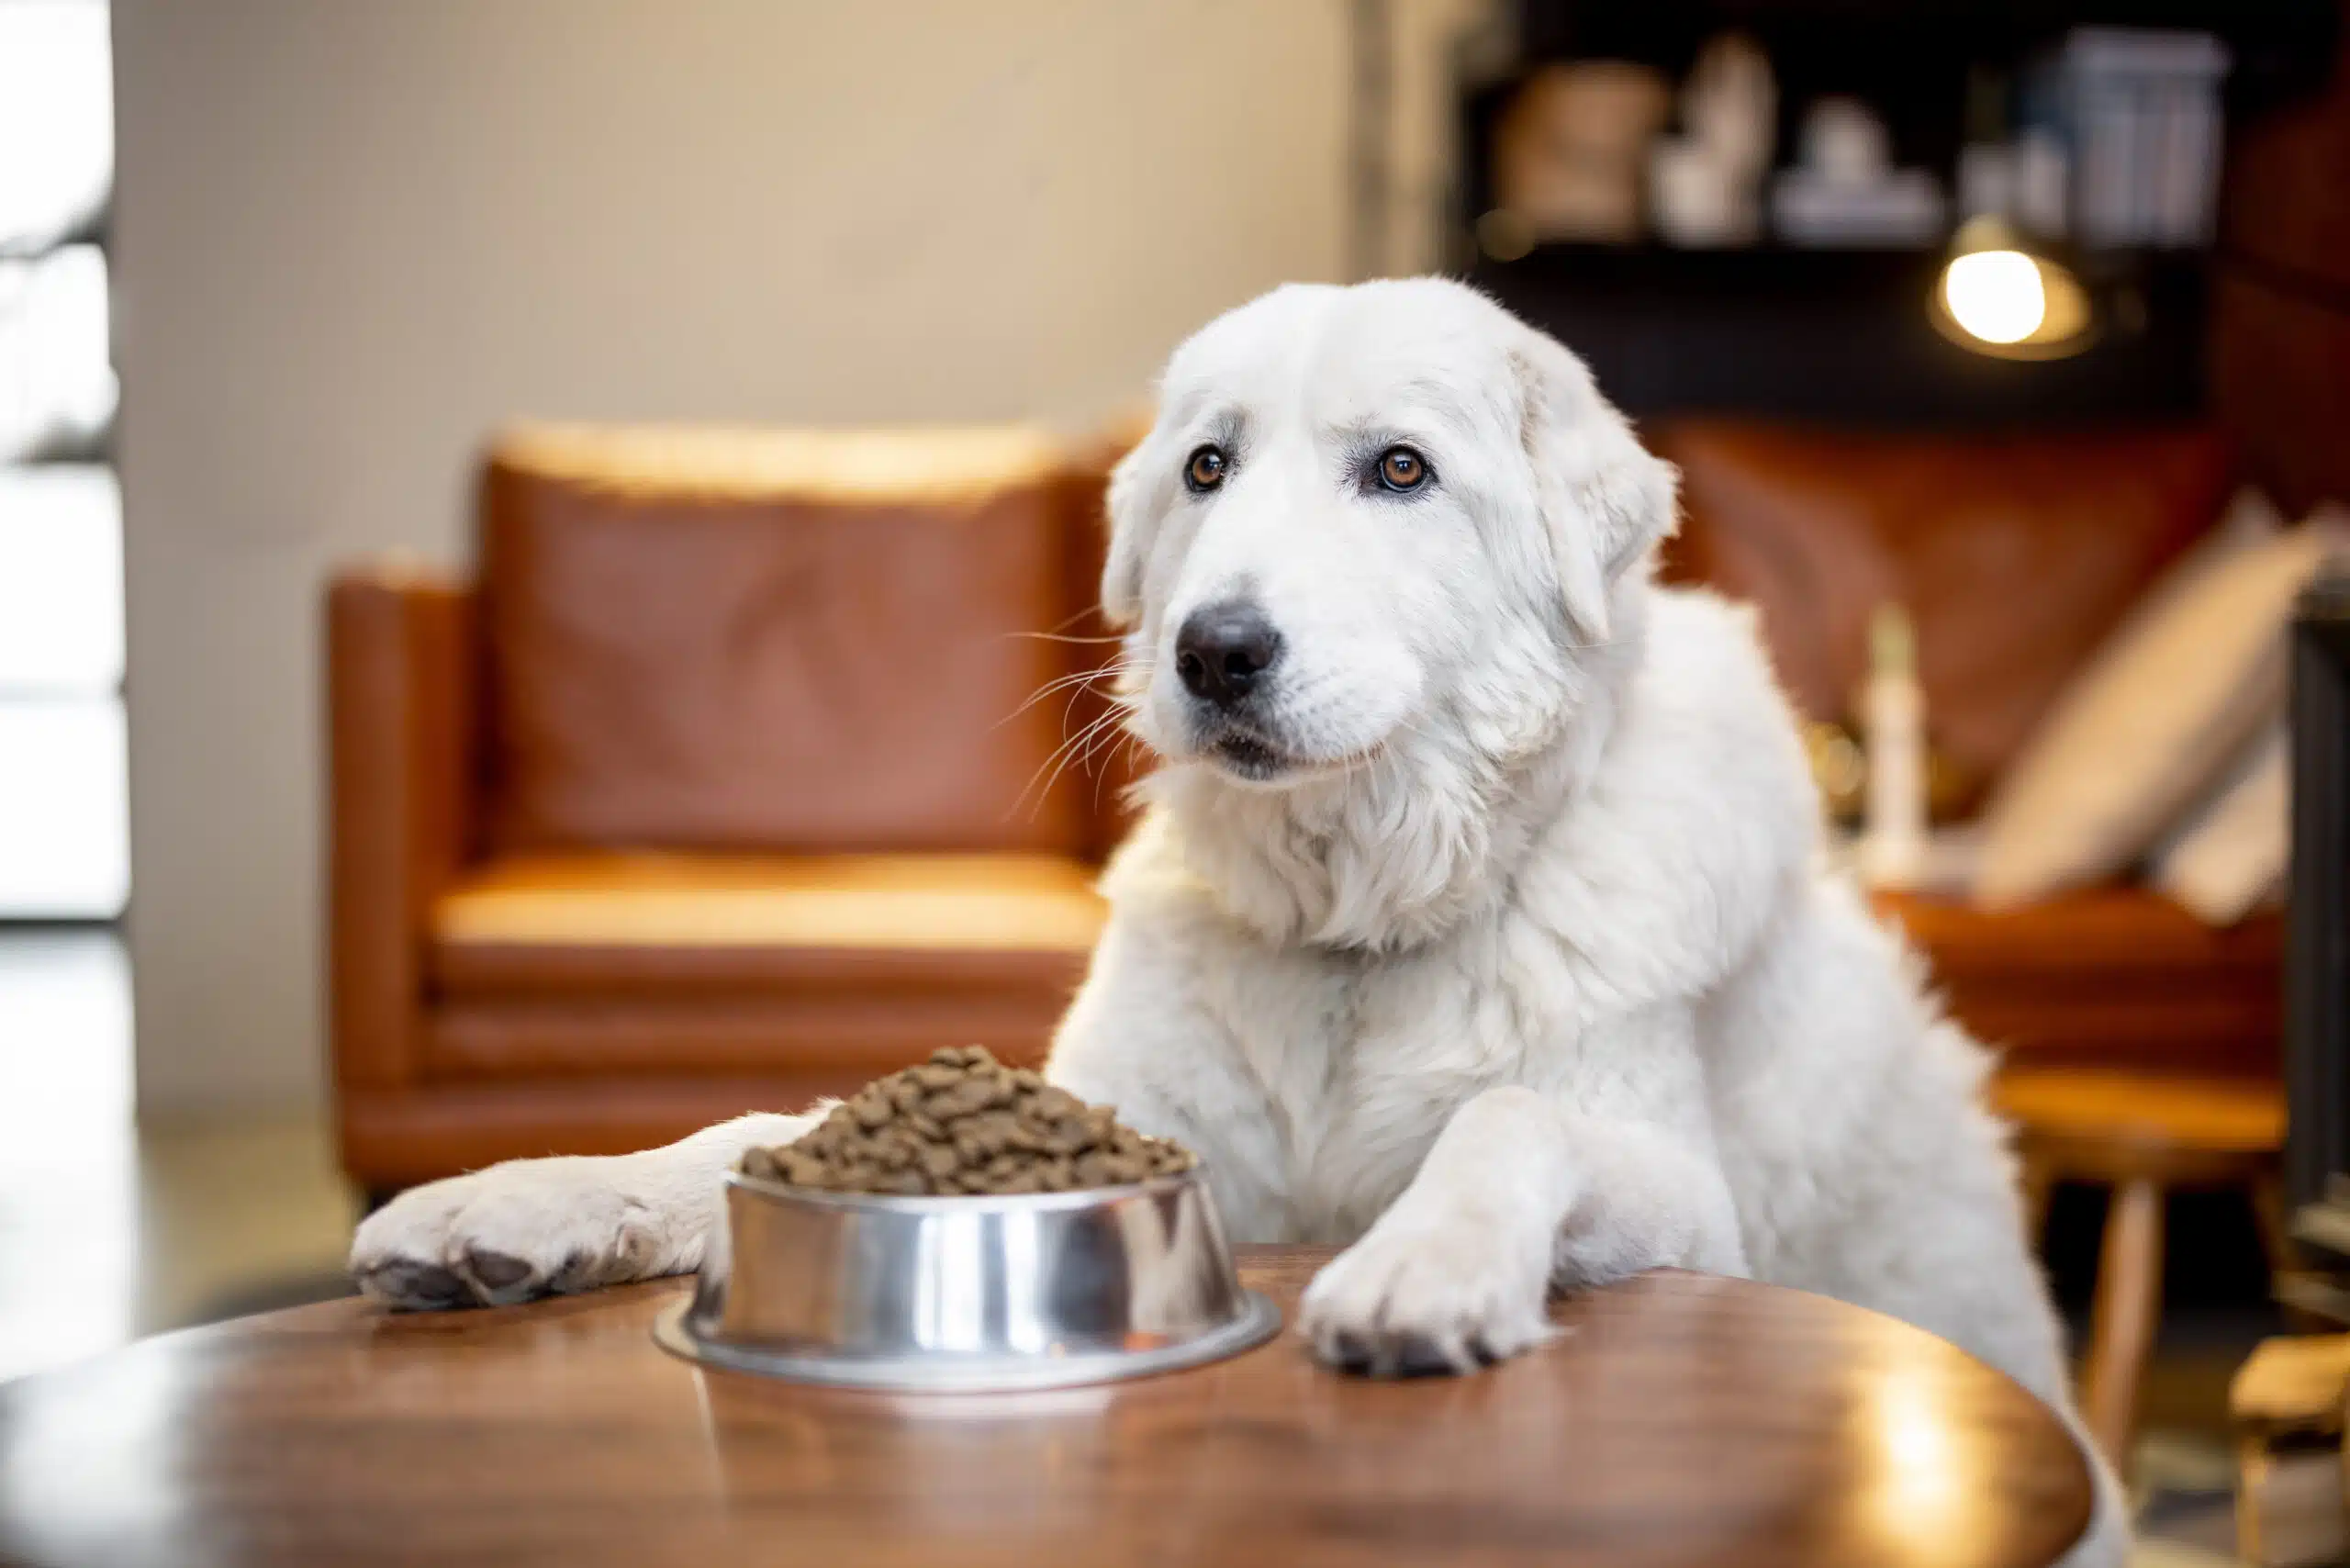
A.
pixel 1223 648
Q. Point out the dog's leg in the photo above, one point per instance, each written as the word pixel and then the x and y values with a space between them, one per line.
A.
pixel 1519 1192
pixel 533 1227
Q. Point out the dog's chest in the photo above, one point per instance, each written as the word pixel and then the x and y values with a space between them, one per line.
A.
pixel 1362 1078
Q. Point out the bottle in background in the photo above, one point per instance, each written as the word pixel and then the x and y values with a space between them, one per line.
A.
pixel 1893 713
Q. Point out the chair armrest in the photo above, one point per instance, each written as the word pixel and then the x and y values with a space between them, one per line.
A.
pixel 403 711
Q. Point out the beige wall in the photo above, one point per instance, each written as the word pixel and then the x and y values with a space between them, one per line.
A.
pixel 353 236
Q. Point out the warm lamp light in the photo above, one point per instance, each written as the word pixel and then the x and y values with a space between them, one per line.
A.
pixel 1995 297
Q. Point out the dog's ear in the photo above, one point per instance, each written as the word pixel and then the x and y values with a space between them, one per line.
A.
pixel 1605 500
pixel 1130 492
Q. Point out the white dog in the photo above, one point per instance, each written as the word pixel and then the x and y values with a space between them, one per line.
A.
pixel 1477 923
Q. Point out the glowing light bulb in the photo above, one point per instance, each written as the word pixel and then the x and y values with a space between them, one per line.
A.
pixel 1998 296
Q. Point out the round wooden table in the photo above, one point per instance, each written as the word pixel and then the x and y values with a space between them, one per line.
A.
pixel 1682 1419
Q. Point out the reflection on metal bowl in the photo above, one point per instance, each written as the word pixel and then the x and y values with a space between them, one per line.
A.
pixel 968 1294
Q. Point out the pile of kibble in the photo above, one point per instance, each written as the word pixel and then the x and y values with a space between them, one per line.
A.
pixel 963 1122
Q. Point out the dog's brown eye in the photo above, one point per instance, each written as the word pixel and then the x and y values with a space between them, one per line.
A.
pixel 1401 468
pixel 1206 471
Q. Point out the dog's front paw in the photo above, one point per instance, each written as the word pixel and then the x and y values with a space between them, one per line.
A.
pixel 1412 1299
pixel 508 1233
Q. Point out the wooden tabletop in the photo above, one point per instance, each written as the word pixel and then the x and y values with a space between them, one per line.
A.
pixel 1682 1419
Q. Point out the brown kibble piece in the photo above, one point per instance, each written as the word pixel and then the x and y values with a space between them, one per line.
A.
pixel 946 1106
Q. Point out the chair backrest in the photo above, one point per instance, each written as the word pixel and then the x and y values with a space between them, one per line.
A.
pixel 2014 556
pixel 784 640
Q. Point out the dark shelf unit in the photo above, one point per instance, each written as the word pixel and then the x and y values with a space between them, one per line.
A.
pixel 1843 337
pixel 1919 53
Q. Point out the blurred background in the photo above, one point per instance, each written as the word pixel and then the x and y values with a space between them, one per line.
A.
pixel 521 525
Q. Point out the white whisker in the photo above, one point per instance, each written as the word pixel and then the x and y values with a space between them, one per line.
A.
pixel 1081 679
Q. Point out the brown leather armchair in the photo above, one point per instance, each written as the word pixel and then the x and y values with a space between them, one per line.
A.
pixel 714 790
pixel 2015 557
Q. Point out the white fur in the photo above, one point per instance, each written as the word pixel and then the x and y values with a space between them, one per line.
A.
pixel 1517 968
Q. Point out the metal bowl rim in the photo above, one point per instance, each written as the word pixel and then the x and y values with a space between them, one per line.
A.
pixel 1256 1321
pixel 963 1203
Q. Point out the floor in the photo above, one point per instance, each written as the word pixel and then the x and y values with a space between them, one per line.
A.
pixel 109 1231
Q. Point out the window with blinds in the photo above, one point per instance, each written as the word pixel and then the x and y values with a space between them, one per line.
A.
pixel 64 821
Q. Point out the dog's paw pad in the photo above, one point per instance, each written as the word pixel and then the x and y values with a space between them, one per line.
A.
pixel 413 1286
pixel 499 1276
pixel 1405 1354
pixel 1420 1355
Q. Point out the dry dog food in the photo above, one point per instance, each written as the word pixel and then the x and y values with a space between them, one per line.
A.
pixel 963 1122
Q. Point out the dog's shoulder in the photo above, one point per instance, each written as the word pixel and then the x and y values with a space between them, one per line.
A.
pixel 1704 728
pixel 1670 864
pixel 1707 669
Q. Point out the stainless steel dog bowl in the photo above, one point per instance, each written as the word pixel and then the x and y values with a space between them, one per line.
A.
pixel 968 1294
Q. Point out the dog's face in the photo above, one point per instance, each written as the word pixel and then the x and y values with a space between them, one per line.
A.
pixel 1363 512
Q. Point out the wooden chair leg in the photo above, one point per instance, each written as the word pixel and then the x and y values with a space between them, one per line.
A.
pixel 2127 1308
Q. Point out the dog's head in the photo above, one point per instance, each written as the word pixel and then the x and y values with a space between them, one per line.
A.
pixel 1367 513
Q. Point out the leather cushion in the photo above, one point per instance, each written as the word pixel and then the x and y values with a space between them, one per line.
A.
pixel 641 922
pixel 394 1138
pixel 2015 556
pixel 840 966
pixel 782 641
pixel 2117 976
pixel 841 1033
